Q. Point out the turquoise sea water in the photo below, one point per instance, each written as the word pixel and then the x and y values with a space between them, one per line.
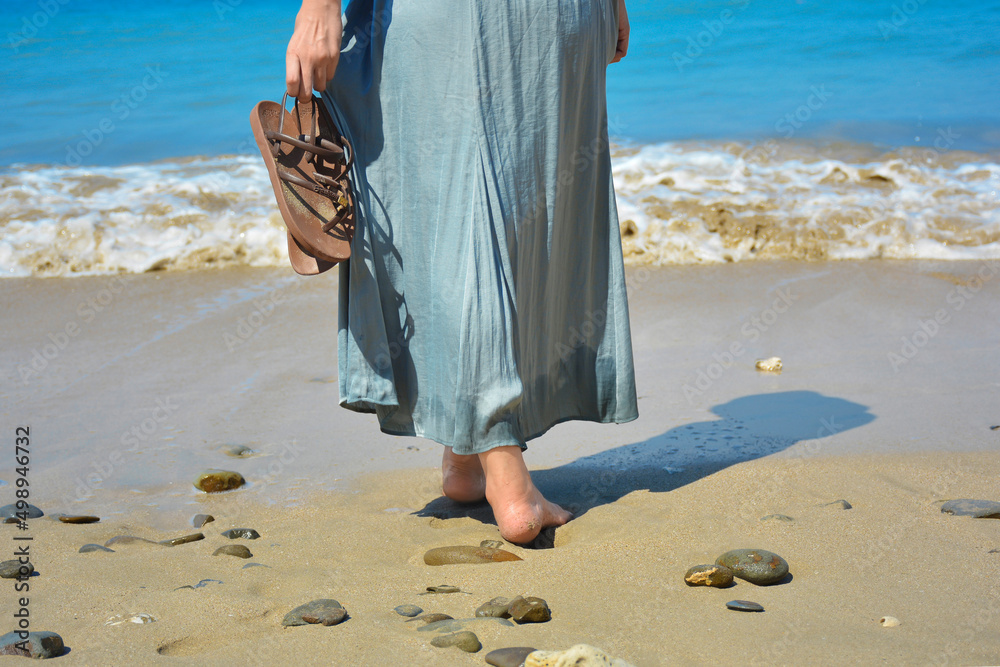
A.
pixel 110 82
pixel 742 129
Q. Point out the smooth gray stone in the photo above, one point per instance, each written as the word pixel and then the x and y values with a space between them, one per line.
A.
pixel 529 610
pixel 979 509
pixel 240 451
pixel 199 520
pixel 237 550
pixel 743 605
pixel 497 607
pixel 509 657
pixel 842 504
pixel 256 565
pixel 755 565
pixel 465 640
pixel 10 512
pixel 409 610
pixel 39 644
pixel 11 569
pixel 241 534
pixel 777 517
pixel 456 624
pixel 323 612
pixel 87 548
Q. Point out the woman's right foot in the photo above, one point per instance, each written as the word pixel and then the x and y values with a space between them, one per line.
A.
pixel 462 477
pixel 520 510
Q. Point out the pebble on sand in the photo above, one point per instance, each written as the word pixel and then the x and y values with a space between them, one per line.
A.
pixel 427 619
pixel 464 639
pixel 777 517
pixel 509 657
pixel 529 610
pixel 12 569
pixel 755 565
pixel 216 481
pixel 37 645
pixel 716 576
pixel 443 589
pixel 183 540
pixel 322 612
pixel 237 550
pixel 409 610
pixel 979 509
pixel 199 520
pixel 241 534
pixel 11 512
pixel 240 451
pixel 492 544
pixel 769 365
pixel 455 624
pixel 78 519
pixel 467 555
pixel 498 607
pixel 743 605
pixel 888 621
pixel 580 654
pixel 840 504
pixel 87 548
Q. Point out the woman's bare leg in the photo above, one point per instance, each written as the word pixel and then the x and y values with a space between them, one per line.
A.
pixel 518 506
pixel 462 477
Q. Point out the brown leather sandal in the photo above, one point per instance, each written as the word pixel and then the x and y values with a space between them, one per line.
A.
pixel 309 175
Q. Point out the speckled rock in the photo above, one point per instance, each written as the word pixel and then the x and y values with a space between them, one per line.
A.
pixel 237 550
pixel 183 540
pixel 75 518
pixel 777 517
pixel 464 639
pixel 580 655
pixel 529 610
pixel 508 657
pixel 979 509
pixel 216 481
pixel 87 548
pixel 755 565
pixel 37 645
pixel 716 576
pixel 322 612
pixel 11 512
pixel 497 608
pixel 743 605
pixel 199 520
pixel 467 555
pixel 130 540
pixel 492 544
pixel 241 534
pixel 12 569
pixel 889 622
pixel 839 504
pixel 409 610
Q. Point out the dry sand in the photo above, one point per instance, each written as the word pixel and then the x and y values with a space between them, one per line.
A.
pixel 147 391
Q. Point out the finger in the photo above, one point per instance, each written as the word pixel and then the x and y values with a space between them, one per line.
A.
pixel 320 78
pixel 293 74
pixel 306 90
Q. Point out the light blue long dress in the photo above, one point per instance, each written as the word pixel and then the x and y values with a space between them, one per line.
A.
pixel 484 300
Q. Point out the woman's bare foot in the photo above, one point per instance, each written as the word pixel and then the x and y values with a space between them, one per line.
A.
pixel 518 506
pixel 462 477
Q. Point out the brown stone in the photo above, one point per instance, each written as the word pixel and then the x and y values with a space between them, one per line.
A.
pixel 716 576
pixel 467 555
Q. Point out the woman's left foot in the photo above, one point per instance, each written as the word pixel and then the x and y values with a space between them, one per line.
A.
pixel 462 477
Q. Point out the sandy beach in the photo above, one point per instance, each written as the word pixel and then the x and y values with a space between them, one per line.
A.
pixel 133 385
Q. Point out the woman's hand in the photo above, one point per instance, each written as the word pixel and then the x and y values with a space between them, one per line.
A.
pixel 622 48
pixel 314 50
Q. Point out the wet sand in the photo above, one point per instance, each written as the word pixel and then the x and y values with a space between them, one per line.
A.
pixel 133 385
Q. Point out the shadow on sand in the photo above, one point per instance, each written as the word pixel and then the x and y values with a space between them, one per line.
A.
pixel 748 428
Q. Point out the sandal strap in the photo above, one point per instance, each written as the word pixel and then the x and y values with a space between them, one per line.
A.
pixel 315 187
pixel 326 149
